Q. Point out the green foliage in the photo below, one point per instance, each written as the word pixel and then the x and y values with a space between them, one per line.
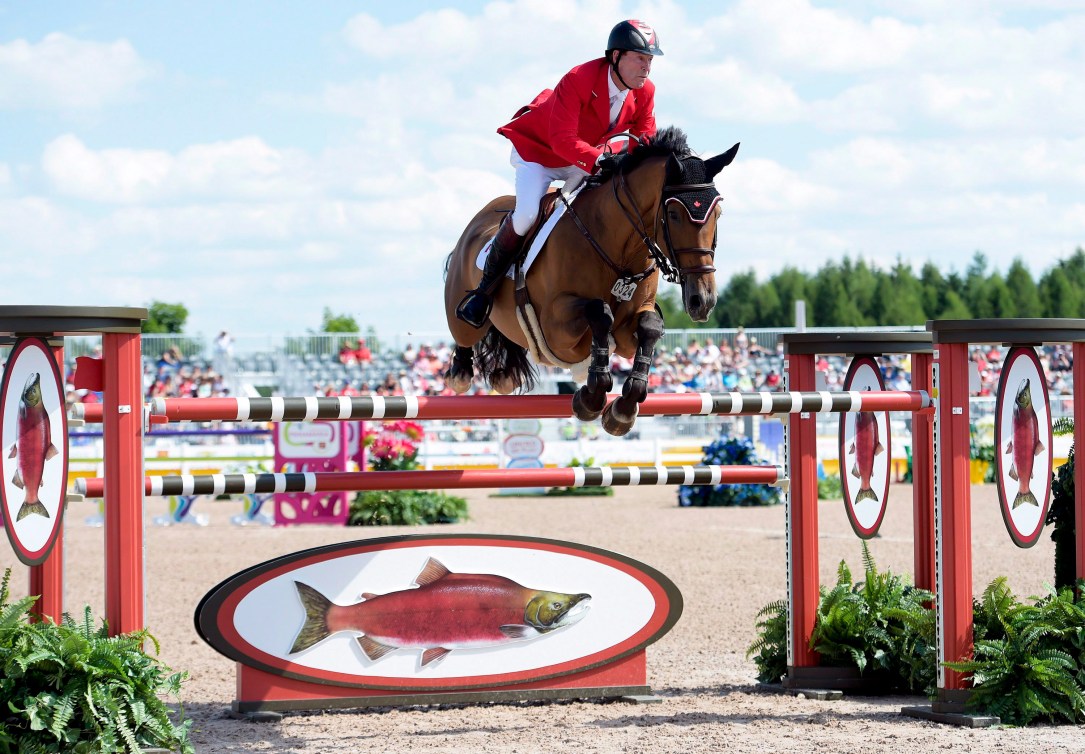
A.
pixel 393 448
pixel 72 688
pixel 674 312
pixel 1029 660
pixel 857 293
pixel 405 508
pixel 830 488
pixel 338 322
pixel 165 318
pixel 769 651
pixel 882 626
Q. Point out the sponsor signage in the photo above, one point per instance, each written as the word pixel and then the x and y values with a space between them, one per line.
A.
pixel 523 426
pixel 523 446
pixel 1023 446
pixel 403 613
pixel 865 452
pixel 309 439
pixel 33 449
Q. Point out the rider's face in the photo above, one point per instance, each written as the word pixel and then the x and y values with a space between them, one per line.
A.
pixel 634 68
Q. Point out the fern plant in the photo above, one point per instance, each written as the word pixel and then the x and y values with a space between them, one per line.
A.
pixel 882 626
pixel 69 687
pixel 769 651
pixel 1028 659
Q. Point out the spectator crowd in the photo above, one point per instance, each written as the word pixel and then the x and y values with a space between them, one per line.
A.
pixel 710 364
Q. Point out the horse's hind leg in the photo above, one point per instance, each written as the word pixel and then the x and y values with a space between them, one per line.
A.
pixel 461 372
pixel 589 400
pixel 620 415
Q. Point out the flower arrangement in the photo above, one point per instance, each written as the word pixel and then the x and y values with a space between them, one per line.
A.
pixel 394 447
pixel 732 451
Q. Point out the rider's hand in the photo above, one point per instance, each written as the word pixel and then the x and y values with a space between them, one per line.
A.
pixel 607 165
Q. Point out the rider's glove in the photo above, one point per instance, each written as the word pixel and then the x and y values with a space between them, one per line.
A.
pixel 607 165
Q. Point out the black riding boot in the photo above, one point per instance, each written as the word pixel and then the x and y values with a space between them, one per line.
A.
pixel 476 305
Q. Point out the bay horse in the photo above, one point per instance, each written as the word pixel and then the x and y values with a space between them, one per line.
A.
pixel 592 288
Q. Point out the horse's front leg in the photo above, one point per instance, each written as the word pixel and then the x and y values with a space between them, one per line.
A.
pixel 620 415
pixel 589 400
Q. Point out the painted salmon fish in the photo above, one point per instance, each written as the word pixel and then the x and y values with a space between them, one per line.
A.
pixel 865 446
pixel 1025 444
pixel 33 447
pixel 447 611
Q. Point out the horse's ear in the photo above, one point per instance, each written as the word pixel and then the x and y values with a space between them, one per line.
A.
pixel 674 170
pixel 713 165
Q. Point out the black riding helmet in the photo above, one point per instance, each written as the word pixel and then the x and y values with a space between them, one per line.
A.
pixel 631 36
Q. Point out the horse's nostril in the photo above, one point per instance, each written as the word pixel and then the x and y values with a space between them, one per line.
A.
pixel 695 302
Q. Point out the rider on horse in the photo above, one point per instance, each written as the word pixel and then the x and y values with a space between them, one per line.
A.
pixel 559 136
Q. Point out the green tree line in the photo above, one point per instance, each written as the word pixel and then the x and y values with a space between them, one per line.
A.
pixel 852 293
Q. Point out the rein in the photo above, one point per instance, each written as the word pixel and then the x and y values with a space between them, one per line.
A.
pixel 669 262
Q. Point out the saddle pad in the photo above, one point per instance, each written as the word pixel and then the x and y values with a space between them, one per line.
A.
pixel 540 237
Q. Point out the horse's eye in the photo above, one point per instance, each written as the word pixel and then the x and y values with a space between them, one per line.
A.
pixel 672 214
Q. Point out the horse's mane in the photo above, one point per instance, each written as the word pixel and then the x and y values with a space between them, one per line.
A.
pixel 667 141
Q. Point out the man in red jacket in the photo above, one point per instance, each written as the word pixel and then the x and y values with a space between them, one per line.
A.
pixel 560 136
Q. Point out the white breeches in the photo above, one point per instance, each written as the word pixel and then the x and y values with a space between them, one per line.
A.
pixel 532 181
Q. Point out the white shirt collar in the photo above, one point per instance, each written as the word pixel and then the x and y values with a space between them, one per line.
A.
pixel 612 88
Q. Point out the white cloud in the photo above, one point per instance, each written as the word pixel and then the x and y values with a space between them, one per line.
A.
pixel 240 169
pixel 759 186
pixel 64 73
pixel 730 91
pixel 795 34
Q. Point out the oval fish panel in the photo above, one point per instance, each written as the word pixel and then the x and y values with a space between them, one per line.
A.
pixel 865 452
pixel 1023 446
pixel 425 613
pixel 33 450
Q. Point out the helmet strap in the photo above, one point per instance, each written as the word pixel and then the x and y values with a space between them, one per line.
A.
pixel 614 66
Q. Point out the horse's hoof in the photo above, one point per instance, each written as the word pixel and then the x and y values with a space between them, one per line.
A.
pixel 503 384
pixel 616 424
pixel 582 410
pixel 460 383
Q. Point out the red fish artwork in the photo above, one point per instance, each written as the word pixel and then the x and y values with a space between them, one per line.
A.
pixel 1025 444
pixel 865 446
pixel 447 611
pixel 33 447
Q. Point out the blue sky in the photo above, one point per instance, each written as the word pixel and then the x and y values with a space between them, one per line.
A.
pixel 259 162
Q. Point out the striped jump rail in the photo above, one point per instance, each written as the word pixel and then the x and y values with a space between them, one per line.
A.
pixel 357 481
pixel 510 407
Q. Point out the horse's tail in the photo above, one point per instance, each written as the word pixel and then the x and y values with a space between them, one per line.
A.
pixel 497 356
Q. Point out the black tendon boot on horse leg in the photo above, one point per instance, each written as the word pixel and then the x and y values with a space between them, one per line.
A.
pixel 620 415
pixel 589 400
pixel 475 307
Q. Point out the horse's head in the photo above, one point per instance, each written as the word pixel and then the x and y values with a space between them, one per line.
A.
pixel 689 214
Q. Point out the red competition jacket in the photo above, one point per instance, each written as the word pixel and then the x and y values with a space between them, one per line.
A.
pixel 568 125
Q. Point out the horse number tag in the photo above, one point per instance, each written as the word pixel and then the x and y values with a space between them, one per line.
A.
pixel 623 289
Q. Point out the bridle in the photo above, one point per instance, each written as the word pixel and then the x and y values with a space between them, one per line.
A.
pixel 668 262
